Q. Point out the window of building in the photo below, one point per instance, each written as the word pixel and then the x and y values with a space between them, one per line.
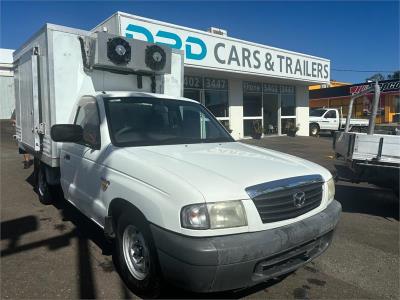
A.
pixel 216 96
pixel 288 108
pixel 211 92
pixel 252 99
pixel 252 108
pixel 288 105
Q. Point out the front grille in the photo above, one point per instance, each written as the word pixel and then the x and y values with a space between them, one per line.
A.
pixel 286 198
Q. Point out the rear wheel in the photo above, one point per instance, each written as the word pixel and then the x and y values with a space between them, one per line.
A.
pixel 314 129
pixel 44 190
pixel 137 257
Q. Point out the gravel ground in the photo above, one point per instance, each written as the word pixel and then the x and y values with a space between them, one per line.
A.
pixel 55 252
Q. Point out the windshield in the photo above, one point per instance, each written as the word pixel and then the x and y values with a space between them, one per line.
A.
pixel 145 121
pixel 317 112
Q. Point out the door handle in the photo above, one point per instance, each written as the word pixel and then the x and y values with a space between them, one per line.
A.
pixel 67 157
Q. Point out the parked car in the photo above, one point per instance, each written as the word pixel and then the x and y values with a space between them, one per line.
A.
pixel 331 120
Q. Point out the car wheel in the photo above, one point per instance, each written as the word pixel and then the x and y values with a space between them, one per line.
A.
pixel 137 257
pixel 314 129
pixel 43 189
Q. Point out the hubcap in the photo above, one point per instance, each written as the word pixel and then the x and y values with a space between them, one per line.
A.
pixel 314 130
pixel 136 253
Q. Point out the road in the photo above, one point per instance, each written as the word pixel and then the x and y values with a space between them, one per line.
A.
pixel 55 252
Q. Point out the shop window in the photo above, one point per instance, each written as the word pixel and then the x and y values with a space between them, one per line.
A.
pixel 217 102
pixel 252 99
pixel 288 124
pixel 250 127
pixel 252 103
pixel 396 101
pixel 211 92
pixel 288 105
pixel 192 94
pixel 225 123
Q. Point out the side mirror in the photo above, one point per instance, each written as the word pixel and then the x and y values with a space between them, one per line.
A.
pixel 67 133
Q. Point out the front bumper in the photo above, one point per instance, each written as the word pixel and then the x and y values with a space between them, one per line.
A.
pixel 210 264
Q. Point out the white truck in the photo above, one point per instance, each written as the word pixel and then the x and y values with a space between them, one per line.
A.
pixel 331 120
pixel 182 201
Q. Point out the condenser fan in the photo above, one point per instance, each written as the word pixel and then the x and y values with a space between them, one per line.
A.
pixel 119 51
pixel 155 58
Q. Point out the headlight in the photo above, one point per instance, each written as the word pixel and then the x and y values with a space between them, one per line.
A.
pixel 331 189
pixel 214 215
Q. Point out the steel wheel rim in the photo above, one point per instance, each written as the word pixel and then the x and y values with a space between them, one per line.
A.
pixel 314 131
pixel 136 253
pixel 42 185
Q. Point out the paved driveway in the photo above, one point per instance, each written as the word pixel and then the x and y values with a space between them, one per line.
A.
pixel 55 252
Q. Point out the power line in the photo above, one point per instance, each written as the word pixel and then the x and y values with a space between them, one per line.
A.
pixel 363 71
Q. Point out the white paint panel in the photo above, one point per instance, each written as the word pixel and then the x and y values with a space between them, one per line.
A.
pixel 7 97
pixel 302 110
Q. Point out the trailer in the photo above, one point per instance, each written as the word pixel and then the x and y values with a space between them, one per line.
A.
pixel 370 157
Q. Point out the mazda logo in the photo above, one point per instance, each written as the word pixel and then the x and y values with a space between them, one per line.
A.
pixel 299 199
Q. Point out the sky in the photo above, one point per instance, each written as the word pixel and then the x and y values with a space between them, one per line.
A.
pixel 353 35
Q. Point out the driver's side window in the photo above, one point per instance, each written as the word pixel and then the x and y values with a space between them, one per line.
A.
pixel 330 114
pixel 87 117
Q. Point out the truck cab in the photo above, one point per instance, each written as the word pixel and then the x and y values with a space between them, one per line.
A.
pixel 331 120
pixel 164 178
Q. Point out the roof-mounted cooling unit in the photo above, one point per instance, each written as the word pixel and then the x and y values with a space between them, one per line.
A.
pixel 117 53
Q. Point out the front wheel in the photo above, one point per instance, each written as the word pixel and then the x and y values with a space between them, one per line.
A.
pixel 314 129
pixel 137 256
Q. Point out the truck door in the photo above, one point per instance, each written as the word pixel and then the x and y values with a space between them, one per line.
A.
pixel 80 165
pixel 27 93
pixel 332 120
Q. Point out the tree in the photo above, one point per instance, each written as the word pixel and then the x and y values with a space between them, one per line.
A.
pixel 377 76
pixel 395 75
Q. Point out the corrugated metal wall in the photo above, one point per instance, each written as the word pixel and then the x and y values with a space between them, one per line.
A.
pixel 7 97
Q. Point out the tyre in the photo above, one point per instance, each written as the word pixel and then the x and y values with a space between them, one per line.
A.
pixel 44 190
pixel 314 129
pixel 137 257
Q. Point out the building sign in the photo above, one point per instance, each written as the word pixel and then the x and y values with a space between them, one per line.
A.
pixel 198 82
pixel 268 88
pixel 223 53
pixel 193 82
pixel 252 87
pixel 271 88
pixel 215 84
pixel 385 86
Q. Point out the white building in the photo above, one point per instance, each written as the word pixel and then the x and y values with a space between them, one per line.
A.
pixel 246 85
pixel 7 96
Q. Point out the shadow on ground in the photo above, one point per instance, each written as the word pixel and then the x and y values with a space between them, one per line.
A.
pixel 367 199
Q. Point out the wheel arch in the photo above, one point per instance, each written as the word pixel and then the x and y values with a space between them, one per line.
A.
pixel 116 208
pixel 314 123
